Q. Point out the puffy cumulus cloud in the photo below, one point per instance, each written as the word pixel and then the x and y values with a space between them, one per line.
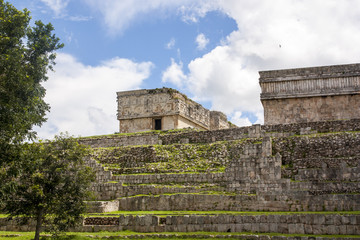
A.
pixel 201 41
pixel 281 34
pixel 222 78
pixel 118 15
pixel 57 6
pixel 174 74
pixel 83 98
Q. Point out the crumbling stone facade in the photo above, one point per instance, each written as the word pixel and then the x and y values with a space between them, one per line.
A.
pixel 311 94
pixel 164 109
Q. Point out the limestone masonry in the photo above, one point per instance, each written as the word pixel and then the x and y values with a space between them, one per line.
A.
pixel 311 94
pixel 296 177
pixel 164 109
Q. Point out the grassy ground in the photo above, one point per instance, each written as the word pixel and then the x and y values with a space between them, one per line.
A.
pixel 129 234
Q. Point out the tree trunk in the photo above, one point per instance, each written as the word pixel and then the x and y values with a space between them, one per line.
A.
pixel 39 219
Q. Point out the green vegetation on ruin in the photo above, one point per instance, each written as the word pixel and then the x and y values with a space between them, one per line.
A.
pixel 112 182
pixel 173 158
pixel 151 132
pixel 185 130
pixel 223 193
pixel 221 170
pixel 176 185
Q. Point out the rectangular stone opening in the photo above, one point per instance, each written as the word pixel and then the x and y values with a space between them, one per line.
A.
pixel 157 124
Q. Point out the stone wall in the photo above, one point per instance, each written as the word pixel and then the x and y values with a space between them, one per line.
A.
pixel 137 110
pixel 145 103
pixel 287 224
pixel 192 136
pixel 311 109
pixel 275 197
pixel 218 120
pixel 309 82
pixel 310 94
pixel 316 148
pixel 136 125
pixel 317 224
pixel 102 206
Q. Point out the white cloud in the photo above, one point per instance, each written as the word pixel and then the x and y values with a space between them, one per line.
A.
pixel 201 41
pixel 79 18
pixel 170 44
pixel 220 77
pixel 239 120
pixel 83 98
pixel 174 74
pixel 57 6
pixel 118 15
pixel 192 11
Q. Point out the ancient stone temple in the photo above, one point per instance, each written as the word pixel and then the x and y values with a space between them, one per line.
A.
pixel 311 94
pixel 164 109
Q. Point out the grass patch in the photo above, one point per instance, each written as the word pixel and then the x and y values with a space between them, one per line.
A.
pixel 176 185
pixel 167 173
pixel 173 158
pixel 112 182
pixel 195 193
pixel 151 132
pixel 162 235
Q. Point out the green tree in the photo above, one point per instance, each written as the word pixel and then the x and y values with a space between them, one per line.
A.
pixel 26 54
pixel 46 181
pixel 53 185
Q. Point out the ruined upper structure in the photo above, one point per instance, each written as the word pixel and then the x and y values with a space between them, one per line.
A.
pixel 164 109
pixel 311 94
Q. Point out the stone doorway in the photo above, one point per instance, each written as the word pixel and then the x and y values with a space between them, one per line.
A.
pixel 157 124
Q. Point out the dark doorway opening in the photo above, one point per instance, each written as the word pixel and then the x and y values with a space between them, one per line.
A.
pixel 157 124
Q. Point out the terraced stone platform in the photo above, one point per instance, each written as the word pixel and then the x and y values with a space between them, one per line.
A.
pixel 277 180
pixel 308 167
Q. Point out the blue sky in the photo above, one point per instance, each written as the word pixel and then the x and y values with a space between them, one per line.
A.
pixel 210 50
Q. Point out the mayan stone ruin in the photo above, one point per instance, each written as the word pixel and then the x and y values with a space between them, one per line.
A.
pixel 295 177
pixel 164 109
pixel 311 94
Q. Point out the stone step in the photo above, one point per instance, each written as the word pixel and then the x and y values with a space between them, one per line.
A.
pixel 111 191
pixel 102 175
pixel 170 178
pixel 313 224
pixel 233 202
pixel 179 158
pixel 327 187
